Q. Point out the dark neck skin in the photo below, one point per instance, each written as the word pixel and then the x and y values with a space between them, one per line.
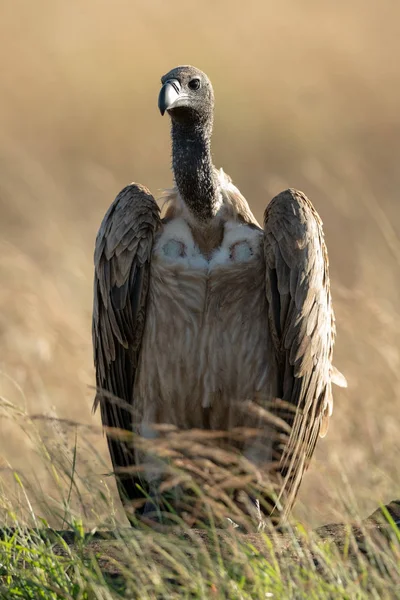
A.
pixel 193 169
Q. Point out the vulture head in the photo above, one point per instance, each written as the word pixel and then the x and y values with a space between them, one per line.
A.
pixel 187 95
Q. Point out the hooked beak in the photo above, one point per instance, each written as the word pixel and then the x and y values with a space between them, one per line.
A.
pixel 169 93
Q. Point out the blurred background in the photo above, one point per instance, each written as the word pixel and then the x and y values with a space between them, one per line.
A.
pixel 307 96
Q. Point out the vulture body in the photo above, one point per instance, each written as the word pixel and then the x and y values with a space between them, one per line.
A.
pixel 200 311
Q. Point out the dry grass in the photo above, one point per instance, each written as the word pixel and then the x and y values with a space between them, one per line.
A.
pixel 307 96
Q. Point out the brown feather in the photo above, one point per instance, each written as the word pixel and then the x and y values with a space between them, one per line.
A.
pixel 208 238
pixel 304 344
pixel 122 262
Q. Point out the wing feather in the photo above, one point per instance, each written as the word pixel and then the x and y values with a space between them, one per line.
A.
pixel 302 326
pixel 121 280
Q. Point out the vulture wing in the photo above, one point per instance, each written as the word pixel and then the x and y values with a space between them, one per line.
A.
pixel 121 281
pixel 302 328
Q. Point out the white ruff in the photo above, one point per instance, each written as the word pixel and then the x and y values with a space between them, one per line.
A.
pixel 236 233
pixel 178 231
pixel 176 246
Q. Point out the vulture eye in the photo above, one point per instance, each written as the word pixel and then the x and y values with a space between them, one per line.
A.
pixel 194 84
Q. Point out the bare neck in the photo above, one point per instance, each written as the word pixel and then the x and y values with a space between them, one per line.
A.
pixel 194 172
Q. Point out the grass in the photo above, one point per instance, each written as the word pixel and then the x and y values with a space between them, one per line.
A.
pixel 208 564
pixel 88 556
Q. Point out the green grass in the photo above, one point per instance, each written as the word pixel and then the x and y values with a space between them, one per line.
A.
pixel 70 543
pixel 142 563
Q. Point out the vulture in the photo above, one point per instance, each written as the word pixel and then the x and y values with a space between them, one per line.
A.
pixel 198 310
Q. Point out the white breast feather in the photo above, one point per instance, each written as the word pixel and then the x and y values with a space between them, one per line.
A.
pixel 235 234
pixel 169 246
pixel 176 246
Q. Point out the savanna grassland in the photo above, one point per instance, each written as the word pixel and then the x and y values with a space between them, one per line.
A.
pixel 307 96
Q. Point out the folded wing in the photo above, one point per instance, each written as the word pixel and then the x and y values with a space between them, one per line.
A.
pixel 121 281
pixel 302 328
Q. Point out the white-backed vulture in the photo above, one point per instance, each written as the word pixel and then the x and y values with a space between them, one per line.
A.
pixel 203 310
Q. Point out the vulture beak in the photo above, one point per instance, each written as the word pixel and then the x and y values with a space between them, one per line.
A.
pixel 169 93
